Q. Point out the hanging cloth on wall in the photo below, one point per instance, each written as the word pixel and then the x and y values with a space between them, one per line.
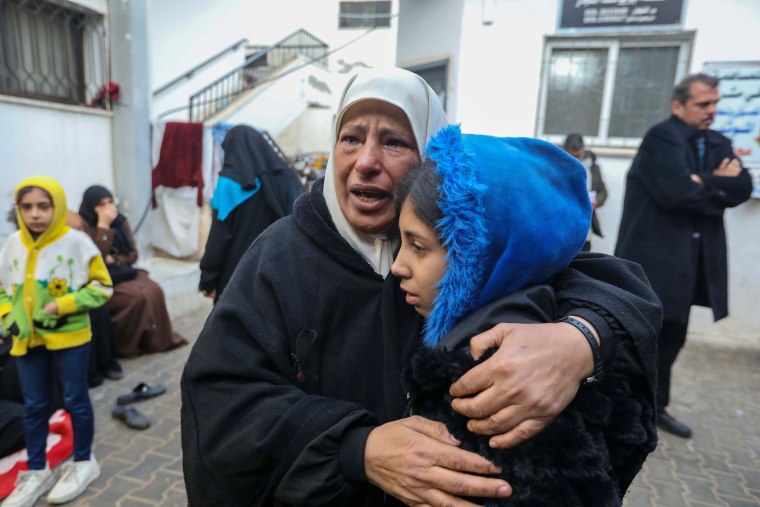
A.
pixel 180 159
pixel 178 189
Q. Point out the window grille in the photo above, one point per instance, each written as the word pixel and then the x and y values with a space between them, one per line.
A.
pixel 365 15
pixel 52 52
pixel 610 89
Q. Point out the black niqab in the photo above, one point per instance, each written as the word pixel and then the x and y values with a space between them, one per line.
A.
pixel 247 155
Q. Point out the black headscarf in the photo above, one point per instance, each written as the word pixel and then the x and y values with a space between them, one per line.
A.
pixel 251 161
pixel 91 198
pixel 247 155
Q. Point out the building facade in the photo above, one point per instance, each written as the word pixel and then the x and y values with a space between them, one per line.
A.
pixel 604 68
pixel 537 68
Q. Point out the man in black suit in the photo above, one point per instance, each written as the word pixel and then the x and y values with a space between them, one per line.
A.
pixel 683 177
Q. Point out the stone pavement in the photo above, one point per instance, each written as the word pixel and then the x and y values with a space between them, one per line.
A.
pixel 717 391
pixel 142 468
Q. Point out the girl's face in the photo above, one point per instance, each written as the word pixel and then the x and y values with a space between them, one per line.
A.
pixel 421 261
pixel 36 210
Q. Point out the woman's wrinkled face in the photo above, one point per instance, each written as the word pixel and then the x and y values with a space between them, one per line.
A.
pixel 421 261
pixel 36 210
pixel 375 149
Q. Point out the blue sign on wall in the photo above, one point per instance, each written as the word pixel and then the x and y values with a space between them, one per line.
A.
pixel 738 116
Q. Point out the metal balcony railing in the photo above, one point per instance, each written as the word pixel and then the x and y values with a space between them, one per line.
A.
pixel 191 72
pixel 257 68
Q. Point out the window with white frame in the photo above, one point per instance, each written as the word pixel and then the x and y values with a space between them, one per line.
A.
pixel 610 89
pixel 51 51
pixel 364 14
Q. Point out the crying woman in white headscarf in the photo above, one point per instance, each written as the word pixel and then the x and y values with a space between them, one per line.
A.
pixel 292 393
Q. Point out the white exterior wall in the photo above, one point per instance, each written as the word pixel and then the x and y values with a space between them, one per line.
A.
pixel 419 32
pixel 100 6
pixel 184 33
pixel 501 65
pixel 71 144
pixel 498 89
pixel 726 31
pixel 500 68
pixel 272 21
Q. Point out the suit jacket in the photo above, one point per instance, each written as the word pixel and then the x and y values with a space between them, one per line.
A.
pixel 670 223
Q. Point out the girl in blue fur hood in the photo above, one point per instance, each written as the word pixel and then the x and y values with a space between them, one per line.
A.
pixel 485 224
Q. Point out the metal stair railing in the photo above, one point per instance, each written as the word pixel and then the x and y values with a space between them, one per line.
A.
pixel 256 69
pixel 270 140
pixel 190 73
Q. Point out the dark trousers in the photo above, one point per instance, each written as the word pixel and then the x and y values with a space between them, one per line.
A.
pixel 11 427
pixel 102 349
pixel 671 341
pixel 34 371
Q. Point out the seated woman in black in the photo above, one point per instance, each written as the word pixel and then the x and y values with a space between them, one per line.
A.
pixel 138 310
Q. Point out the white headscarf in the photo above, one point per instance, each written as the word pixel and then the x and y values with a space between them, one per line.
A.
pixel 411 94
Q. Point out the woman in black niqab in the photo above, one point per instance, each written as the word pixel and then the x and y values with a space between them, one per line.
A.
pixel 256 187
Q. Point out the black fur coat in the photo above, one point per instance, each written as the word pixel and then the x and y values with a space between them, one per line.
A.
pixel 587 456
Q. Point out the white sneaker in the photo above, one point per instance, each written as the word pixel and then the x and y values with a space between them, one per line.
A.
pixel 30 485
pixel 75 477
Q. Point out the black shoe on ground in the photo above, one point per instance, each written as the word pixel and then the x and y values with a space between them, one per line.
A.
pixel 667 422
pixel 114 374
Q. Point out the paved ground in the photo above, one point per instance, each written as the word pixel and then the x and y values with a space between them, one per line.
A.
pixel 142 468
pixel 717 392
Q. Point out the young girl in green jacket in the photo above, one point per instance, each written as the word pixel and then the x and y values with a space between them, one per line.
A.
pixel 50 277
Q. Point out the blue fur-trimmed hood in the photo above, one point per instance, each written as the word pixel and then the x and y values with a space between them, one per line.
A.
pixel 515 213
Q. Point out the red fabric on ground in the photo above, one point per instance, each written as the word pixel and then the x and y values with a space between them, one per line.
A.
pixel 60 445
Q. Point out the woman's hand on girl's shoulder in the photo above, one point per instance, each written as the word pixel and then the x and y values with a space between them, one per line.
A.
pixel 525 384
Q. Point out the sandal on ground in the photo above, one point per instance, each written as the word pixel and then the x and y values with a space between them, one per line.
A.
pixel 131 417
pixel 141 392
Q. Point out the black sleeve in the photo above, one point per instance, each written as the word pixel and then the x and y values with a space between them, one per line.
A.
pixel 290 189
pixel 628 312
pixel 730 191
pixel 615 296
pixel 250 434
pixel 281 188
pixel 217 246
pixel 664 172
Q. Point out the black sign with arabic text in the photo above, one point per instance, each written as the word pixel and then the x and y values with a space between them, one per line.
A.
pixel 620 13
